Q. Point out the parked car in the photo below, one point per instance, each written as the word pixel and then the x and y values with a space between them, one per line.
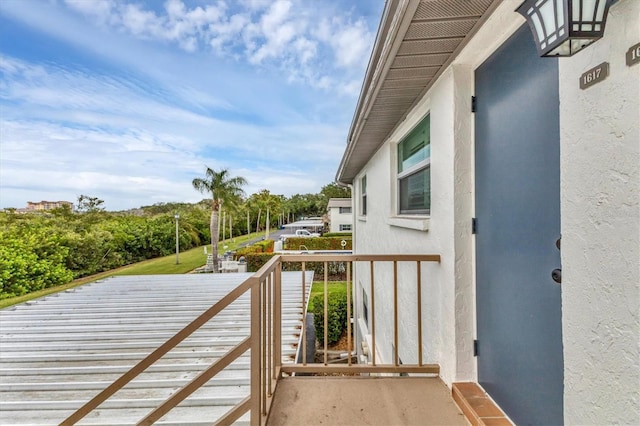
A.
pixel 300 233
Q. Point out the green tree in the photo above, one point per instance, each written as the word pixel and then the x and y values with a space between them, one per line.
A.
pixel 223 189
pixel 88 204
pixel 333 190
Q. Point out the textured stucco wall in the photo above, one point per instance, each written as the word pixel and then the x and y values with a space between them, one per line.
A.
pixel 600 196
pixel 336 219
pixel 448 288
pixel 600 163
pixel 375 234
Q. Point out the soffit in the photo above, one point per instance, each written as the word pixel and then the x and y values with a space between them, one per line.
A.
pixel 422 38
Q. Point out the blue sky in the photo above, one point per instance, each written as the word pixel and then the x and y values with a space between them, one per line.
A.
pixel 128 100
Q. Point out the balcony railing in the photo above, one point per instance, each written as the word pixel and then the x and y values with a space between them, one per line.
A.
pixel 265 338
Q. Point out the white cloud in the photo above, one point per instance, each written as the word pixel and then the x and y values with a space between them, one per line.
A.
pixel 156 94
pixel 109 137
pixel 298 38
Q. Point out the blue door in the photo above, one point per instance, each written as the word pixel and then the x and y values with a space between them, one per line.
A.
pixel 517 150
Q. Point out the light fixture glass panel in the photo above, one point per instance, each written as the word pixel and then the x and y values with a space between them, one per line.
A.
pixel 561 32
pixel 538 26
pixel 597 27
pixel 587 27
pixel 575 12
pixel 563 49
pixel 559 15
pixel 548 17
pixel 600 11
pixel 580 43
pixel 588 9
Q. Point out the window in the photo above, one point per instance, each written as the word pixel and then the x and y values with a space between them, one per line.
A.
pixel 345 227
pixel 414 167
pixel 363 191
pixel 365 307
pixel 345 210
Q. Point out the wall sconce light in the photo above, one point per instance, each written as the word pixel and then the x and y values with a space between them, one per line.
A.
pixel 564 27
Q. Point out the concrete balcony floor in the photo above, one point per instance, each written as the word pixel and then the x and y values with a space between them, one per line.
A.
pixel 364 401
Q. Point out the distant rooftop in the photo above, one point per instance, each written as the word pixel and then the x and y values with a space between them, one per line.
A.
pixel 339 202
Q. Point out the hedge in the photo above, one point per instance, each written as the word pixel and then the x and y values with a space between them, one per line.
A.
pixel 336 270
pixel 265 246
pixel 344 235
pixel 318 243
pixel 337 316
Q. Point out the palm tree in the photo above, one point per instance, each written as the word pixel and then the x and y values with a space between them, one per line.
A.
pixel 223 189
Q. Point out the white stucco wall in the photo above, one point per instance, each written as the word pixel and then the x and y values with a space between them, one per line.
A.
pixel 600 219
pixel 600 175
pixel 379 233
pixel 448 288
pixel 336 219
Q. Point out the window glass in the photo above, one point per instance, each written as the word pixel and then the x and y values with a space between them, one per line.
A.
pixel 416 147
pixel 414 170
pixel 363 189
pixel 415 192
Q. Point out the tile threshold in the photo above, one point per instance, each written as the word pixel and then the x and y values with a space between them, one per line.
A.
pixel 476 405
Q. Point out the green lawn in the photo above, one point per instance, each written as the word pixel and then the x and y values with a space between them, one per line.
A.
pixel 189 260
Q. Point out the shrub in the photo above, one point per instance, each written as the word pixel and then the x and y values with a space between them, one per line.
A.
pixel 336 271
pixel 336 316
pixel 345 235
pixel 265 246
pixel 255 261
pixel 319 243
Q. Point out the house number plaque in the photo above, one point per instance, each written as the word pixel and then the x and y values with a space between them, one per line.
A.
pixel 594 75
pixel 633 55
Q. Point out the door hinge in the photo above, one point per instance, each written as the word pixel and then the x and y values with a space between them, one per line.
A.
pixel 474 225
pixel 473 104
pixel 475 347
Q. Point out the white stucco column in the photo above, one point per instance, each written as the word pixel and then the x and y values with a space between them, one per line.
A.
pixel 600 193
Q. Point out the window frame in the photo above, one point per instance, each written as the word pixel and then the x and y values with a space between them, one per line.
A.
pixel 342 225
pixel 363 195
pixel 422 165
pixel 344 210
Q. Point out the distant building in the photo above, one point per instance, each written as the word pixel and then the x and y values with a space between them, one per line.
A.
pixel 340 214
pixel 48 205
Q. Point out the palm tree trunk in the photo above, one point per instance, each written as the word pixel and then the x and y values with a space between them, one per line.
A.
pixel 223 225
pixel 214 238
pixel 258 221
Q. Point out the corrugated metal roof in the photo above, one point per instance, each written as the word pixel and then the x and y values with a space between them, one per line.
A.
pixel 416 41
pixel 58 352
pixel 339 202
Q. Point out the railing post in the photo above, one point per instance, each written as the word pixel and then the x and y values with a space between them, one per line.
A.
pixel 269 326
pixel 277 321
pixel 395 313
pixel 304 317
pixel 326 312
pixel 373 318
pixel 419 298
pixel 256 350
pixel 349 312
pixel 263 354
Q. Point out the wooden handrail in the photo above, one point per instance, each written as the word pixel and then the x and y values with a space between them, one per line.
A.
pixel 265 339
pixel 196 383
pixel 157 354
